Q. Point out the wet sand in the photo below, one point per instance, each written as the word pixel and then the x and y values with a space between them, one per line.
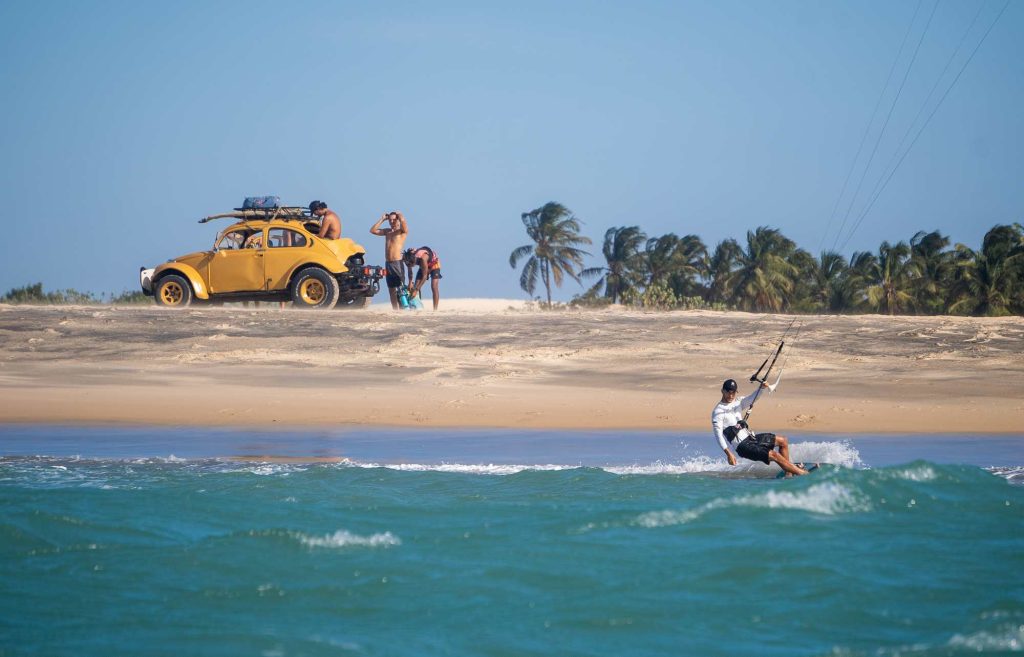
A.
pixel 492 363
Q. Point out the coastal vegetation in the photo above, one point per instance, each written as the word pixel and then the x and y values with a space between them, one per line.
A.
pixel 768 272
pixel 34 294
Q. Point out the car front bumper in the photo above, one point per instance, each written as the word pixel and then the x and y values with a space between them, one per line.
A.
pixel 146 280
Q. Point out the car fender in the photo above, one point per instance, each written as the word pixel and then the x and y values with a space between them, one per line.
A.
pixel 189 272
pixel 327 264
pixel 343 248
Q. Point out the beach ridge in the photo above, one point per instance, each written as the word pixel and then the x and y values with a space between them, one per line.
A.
pixel 500 364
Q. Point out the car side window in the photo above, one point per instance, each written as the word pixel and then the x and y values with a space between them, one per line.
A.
pixel 230 241
pixel 254 241
pixel 280 237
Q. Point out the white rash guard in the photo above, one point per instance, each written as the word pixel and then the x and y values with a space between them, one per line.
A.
pixel 729 415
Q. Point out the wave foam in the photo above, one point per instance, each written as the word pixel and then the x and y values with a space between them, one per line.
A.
pixel 841 454
pixel 343 538
pixel 463 468
pixel 1010 639
pixel 1014 474
pixel 823 499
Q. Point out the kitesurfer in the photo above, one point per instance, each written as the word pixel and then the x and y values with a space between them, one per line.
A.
pixel 729 426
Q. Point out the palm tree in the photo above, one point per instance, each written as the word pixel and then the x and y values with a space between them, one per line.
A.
pixel 860 275
pixel 989 281
pixel 678 261
pixel 826 284
pixel 829 290
pixel 721 267
pixel 554 253
pixel 892 279
pixel 934 264
pixel 623 269
pixel 764 279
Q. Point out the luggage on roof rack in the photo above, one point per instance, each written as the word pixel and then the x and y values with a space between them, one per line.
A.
pixel 292 213
pixel 260 202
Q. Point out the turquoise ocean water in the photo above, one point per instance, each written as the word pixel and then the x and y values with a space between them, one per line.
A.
pixel 161 542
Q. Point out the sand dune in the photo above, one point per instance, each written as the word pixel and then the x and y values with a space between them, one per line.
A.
pixel 502 363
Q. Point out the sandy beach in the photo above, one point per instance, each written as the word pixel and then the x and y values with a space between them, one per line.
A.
pixel 496 363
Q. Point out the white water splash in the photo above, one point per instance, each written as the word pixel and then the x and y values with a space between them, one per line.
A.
pixel 914 473
pixel 841 454
pixel 824 499
pixel 343 538
pixel 1010 639
pixel 463 468
pixel 1013 474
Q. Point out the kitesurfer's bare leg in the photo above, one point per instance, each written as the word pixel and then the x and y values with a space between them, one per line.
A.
pixel 785 463
pixel 783 444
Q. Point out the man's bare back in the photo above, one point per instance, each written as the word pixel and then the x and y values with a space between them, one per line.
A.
pixel 330 223
pixel 330 226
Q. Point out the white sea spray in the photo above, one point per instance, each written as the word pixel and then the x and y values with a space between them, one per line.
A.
pixel 344 538
pixel 827 498
pixel 1007 639
pixel 464 468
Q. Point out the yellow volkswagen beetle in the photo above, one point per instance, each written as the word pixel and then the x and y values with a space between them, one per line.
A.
pixel 267 255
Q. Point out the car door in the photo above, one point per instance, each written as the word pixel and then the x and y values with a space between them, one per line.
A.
pixel 239 270
pixel 286 248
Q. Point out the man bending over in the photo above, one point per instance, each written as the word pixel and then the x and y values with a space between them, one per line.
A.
pixel 429 265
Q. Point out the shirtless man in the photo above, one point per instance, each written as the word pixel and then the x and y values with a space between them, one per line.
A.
pixel 429 265
pixel 394 239
pixel 330 223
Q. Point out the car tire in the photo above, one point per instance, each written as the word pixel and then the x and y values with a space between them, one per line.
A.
pixel 356 302
pixel 173 291
pixel 314 288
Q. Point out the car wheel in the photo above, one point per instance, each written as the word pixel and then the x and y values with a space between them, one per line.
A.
pixel 314 288
pixel 173 291
pixel 356 302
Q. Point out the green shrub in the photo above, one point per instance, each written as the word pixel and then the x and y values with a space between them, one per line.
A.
pixel 133 298
pixel 34 294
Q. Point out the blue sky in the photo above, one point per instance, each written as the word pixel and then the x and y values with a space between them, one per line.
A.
pixel 123 123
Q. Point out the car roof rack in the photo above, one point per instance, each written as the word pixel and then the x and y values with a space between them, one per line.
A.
pixel 287 213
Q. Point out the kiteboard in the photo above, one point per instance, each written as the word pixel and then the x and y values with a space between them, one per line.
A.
pixel 810 468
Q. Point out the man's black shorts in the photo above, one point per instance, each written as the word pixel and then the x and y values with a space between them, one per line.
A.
pixel 434 273
pixel 756 448
pixel 395 273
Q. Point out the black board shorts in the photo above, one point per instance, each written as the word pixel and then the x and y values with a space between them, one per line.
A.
pixel 395 273
pixel 756 448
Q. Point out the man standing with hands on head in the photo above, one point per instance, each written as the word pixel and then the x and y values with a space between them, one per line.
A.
pixel 394 239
